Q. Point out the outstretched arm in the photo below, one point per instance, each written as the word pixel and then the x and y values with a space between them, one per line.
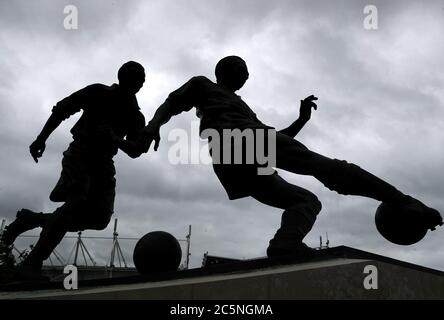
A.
pixel 128 145
pixel 38 146
pixel 61 111
pixel 304 116
pixel 152 131
pixel 180 100
pixel 162 115
pixel 131 148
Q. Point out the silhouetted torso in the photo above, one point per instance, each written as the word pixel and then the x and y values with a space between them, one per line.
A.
pixel 217 107
pixel 102 106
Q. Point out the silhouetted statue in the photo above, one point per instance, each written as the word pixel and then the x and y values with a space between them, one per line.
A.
pixel 111 120
pixel 220 108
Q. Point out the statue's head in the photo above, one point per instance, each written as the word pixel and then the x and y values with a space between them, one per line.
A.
pixel 131 76
pixel 231 72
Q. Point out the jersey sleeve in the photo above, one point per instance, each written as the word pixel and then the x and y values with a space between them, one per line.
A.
pixel 75 102
pixel 187 96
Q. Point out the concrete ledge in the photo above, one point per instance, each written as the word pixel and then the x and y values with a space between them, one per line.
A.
pixel 335 273
pixel 333 279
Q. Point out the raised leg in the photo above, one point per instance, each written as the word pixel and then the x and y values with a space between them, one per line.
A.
pixel 25 220
pixel 338 175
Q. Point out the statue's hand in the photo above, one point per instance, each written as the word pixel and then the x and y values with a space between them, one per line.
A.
pixel 306 105
pixel 149 134
pixel 37 148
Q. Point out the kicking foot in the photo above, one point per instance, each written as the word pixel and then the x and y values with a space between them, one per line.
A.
pixel 431 217
pixel 299 249
pixel 25 220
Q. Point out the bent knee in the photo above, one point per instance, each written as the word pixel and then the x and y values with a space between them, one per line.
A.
pixel 95 220
pixel 100 225
pixel 315 203
pixel 102 221
pixel 310 201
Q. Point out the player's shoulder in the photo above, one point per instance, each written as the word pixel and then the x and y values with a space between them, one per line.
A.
pixel 201 80
pixel 97 88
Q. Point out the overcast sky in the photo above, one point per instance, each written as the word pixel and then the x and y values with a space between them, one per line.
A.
pixel 381 106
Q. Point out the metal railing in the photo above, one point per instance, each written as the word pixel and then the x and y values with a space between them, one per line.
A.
pixel 80 250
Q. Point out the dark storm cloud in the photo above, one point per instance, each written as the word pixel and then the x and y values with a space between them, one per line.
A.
pixel 380 106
